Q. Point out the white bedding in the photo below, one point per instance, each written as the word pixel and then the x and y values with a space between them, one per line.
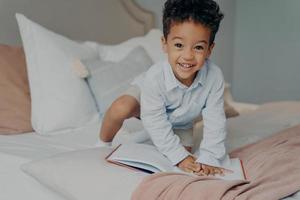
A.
pixel 34 146
pixel 16 150
pixel 15 184
pixel 19 149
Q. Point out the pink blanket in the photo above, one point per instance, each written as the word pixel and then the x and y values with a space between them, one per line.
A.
pixel 272 167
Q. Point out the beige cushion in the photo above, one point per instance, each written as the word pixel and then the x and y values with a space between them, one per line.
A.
pixel 14 92
pixel 229 110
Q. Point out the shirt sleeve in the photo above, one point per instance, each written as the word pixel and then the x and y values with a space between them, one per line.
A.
pixel 212 149
pixel 156 123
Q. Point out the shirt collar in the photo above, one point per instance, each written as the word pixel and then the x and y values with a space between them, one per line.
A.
pixel 170 79
pixel 171 82
pixel 201 75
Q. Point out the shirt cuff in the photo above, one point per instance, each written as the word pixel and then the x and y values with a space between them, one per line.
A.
pixel 178 155
pixel 100 143
pixel 208 159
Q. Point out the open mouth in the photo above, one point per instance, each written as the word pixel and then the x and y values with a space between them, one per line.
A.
pixel 185 66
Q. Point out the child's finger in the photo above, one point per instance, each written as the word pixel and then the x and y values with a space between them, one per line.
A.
pixel 186 169
pixel 205 170
pixel 195 167
pixel 212 172
pixel 191 168
pixel 219 171
pixel 200 173
pixel 199 167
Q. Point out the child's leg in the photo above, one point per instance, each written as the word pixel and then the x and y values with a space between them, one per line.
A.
pixel 188 148
pixel 122 108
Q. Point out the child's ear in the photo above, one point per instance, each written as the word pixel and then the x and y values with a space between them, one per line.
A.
pixel 210 49
pixel 163 44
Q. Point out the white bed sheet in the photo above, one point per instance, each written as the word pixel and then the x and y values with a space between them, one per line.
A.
pixel 268 119
pixel 16 150
pixel 34 146
pixel 15 184
pixel 19 149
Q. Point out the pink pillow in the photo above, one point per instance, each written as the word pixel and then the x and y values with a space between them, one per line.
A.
pixel 15 108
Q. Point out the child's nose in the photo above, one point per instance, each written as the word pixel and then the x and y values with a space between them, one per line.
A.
pixel 188 54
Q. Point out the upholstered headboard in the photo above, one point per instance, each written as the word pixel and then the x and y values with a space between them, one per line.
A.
pixel 105 21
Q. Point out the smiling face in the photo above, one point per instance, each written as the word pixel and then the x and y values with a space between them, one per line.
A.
pixel 187 46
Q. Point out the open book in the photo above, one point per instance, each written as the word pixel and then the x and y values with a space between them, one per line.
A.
pixel 147 158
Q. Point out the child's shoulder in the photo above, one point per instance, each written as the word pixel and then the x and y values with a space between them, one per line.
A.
pixel 155 72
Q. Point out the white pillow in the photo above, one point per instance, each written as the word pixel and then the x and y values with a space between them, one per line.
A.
pixel 60 100
pixel 108 80
pixel 85 174
pixel 151 42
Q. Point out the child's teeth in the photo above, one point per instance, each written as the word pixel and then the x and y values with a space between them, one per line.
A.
pixel 186 65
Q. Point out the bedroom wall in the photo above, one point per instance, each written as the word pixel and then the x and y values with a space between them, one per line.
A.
pixel 156 7
pixel 76 19
pixel 79 29
pixel 46 12
pixel 267 46
pixel 223 51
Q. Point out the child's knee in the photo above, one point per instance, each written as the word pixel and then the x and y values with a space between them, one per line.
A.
pixel 124 107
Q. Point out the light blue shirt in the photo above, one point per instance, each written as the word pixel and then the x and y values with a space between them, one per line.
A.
pixel 167 104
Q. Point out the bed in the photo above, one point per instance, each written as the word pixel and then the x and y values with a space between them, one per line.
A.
pixel 58 158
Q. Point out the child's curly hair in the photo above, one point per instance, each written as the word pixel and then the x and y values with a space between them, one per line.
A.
pixel 205 12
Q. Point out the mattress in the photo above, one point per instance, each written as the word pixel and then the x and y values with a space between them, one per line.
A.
pixel 15 184
pixel 19 149
pixel 16 150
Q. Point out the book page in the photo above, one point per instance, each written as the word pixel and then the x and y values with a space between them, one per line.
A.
pixel 142 156
pixel 237 171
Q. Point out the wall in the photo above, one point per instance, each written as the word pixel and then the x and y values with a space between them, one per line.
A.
pixel 42 12
pixel 156 7
pixel 223 51
pixel 76 19
pixel 267 50
pixel 46 12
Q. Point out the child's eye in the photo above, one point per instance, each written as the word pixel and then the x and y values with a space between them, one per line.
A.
pixel 199 48
pixel 178 45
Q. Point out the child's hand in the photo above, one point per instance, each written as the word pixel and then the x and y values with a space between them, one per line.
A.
pixel 189 165
pixel 209 170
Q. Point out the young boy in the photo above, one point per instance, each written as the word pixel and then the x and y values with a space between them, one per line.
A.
pixel 173 93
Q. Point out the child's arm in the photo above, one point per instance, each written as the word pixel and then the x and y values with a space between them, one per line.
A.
pixel 212 150
pixel 155 121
